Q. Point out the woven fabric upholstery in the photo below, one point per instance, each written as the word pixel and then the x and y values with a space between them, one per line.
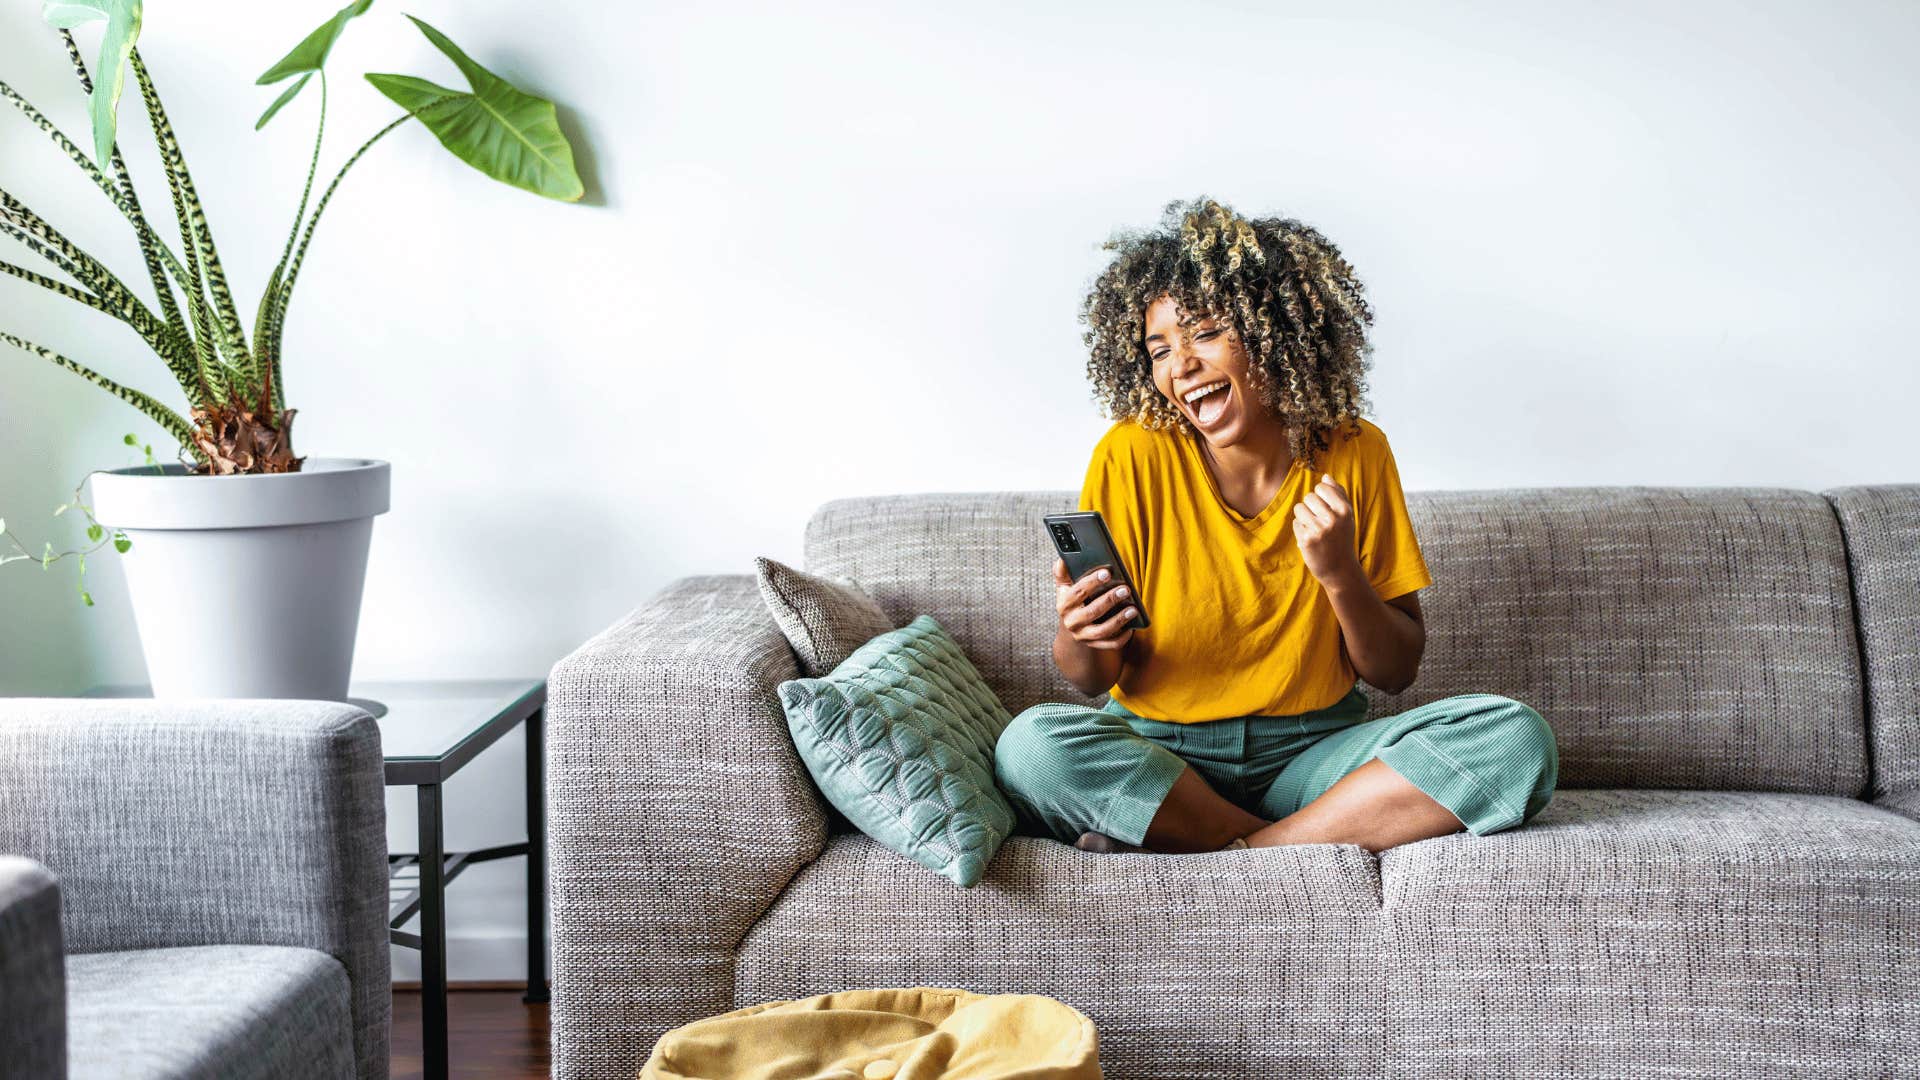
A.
pixel 1224 965
pixel 174 823
pixel 1882 527
pixel 677 810
pixel 1672 933
pixel 33 1004
pixel 210 1012
pixel 1673 637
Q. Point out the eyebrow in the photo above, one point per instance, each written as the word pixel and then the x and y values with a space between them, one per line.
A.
pixel 1196 322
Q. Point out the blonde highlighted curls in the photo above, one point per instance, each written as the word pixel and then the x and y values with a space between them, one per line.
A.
pixel 1298 307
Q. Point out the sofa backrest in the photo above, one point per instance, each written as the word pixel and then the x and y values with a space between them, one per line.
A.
pixel 1672 637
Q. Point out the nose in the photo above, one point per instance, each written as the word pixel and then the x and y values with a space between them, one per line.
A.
pixel 1182 362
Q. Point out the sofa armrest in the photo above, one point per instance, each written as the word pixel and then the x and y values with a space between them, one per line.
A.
pixel 209 822
pixel 678 809
pixel 33 972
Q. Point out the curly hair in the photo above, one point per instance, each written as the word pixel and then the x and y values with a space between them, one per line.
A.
pixel 1298 308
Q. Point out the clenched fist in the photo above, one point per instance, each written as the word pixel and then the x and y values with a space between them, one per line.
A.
pixel 1323 527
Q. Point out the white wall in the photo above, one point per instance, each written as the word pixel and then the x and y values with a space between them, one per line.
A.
pixel 832 253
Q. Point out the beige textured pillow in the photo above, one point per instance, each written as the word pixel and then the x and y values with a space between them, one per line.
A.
pixel 825 619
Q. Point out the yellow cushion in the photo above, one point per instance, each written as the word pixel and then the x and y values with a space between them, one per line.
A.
pixel 914 1033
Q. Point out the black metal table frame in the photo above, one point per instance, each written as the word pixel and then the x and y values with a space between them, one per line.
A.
pixel 437 867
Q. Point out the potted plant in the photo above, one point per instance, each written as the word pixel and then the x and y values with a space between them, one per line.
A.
pixel 245 561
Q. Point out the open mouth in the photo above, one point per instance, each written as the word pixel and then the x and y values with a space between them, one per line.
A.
pixel 1209 409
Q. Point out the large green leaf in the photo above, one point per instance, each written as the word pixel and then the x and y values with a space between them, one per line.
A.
pixel 110 73
pixel 307 57
pixel 285 96
pixel 510 135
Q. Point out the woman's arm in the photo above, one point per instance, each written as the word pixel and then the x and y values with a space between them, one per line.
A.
pixel 1093 639
pixel 1382 638
pixel 1092 671
pixel 1384 642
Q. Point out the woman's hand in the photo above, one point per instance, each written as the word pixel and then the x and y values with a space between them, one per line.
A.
pixel 1323 527
pixel 1084 621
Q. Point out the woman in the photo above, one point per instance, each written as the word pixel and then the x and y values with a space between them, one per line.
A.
pixel 1265 522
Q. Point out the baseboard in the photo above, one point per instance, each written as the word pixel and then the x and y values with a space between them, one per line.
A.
pixel 470 986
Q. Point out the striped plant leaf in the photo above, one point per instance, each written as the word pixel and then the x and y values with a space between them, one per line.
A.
pixel 165 417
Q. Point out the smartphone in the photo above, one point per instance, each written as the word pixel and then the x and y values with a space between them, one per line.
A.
pixel 1082 539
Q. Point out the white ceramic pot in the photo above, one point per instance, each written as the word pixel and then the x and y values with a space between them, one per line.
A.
pixel 246 586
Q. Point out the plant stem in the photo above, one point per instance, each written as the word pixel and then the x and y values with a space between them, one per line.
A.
pixel 152 248
pixel 300 253
pixel 203 259
pixel 158 413
pixel 266 337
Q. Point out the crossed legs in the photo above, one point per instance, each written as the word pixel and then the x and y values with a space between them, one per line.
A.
pixel 1372 806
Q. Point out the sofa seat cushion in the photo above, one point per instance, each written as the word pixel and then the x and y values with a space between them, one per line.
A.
pixel 1222 964
pixel 1740 934
pixel 209 1011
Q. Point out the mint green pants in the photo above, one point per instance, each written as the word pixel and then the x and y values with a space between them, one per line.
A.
pixel 1068 769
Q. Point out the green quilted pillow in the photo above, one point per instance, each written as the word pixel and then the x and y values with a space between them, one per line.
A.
pixel 900 739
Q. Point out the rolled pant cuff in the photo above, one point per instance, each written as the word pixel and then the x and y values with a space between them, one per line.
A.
pixel 1478 805
pixel 1128 814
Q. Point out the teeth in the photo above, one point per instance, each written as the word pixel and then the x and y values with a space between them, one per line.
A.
pixel 1196 395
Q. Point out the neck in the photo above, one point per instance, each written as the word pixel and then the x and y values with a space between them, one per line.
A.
pixel 1260 455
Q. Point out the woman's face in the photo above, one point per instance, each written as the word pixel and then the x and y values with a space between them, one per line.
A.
pixel 1203 354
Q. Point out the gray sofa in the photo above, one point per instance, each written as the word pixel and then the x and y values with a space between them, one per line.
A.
pixel 1727 882
pixel 192 889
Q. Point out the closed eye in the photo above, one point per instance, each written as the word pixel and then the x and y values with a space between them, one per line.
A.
pixel 1162 354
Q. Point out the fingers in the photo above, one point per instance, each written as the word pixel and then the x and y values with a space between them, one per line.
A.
pixel 1330 491
pixel 1312 509
pixel 1325 504
pixel 1084 618
pixel 1090 583
pixel 1122 614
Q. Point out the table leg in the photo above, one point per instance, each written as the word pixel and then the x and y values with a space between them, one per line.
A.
pixel 433 935
pixel 536 858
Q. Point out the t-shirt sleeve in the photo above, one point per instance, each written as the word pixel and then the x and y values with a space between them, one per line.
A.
pixel 1389 552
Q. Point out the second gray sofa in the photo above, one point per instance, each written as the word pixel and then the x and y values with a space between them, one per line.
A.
pixel 192 889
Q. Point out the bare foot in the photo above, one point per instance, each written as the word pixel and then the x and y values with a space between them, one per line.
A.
pixel 1099 841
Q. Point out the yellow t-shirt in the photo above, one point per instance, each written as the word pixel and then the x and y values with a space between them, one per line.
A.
pixel 1240 625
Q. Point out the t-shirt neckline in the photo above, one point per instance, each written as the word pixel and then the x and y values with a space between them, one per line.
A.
pixel 1254 522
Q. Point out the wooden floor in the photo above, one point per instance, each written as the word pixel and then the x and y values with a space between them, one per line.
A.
pixel 491 1035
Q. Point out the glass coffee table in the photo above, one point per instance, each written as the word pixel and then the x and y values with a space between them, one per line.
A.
pixel 428 730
